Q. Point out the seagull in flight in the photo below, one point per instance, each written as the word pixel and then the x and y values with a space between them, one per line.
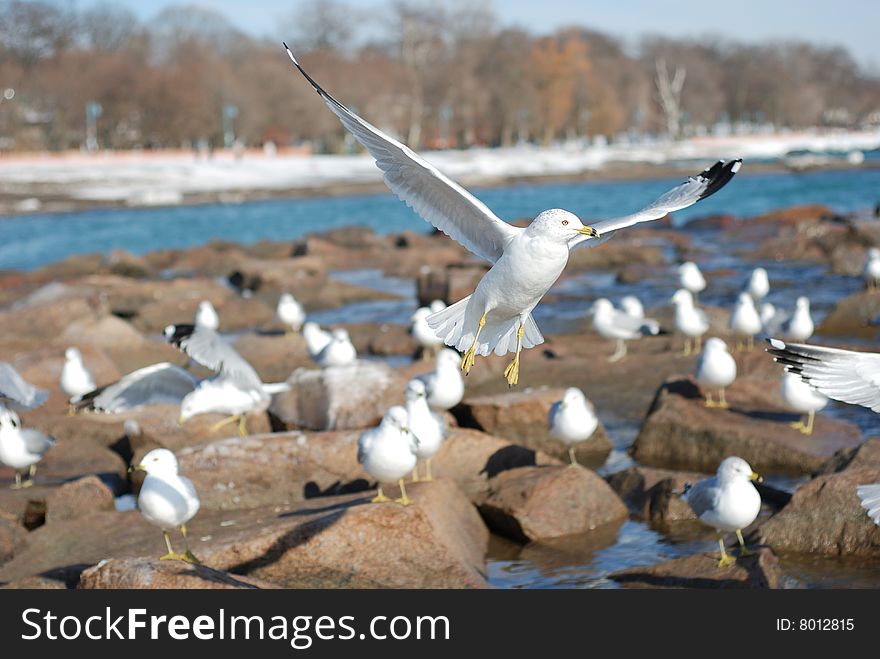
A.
pixel 525 262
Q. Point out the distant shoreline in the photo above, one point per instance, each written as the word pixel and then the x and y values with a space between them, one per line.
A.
pixel 52 201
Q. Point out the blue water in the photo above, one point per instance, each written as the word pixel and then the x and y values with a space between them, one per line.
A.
pixel 28 242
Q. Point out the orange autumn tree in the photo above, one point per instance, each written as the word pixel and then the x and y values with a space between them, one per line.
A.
pixel 560 67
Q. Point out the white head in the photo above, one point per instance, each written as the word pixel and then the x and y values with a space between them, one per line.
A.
pixel 734 468
pixel 437 305
pixel 159 462
pixel 767 311
pixel 447 357
pixel 286 298
pixel 802 303
pixel 206 306
pixel 602 306
pixel 683 297
pixel 73 355
pixel 632 305
pixel 8 420
pixel 745 300
pixel 687 267
pixel 310 328
pixel 415 389
pixel 573 396
pixel 559 225
pixel 420 314
pixel 714 343
pixel 396 417
pixel 874 253
pixel 759 275
pixel 340 335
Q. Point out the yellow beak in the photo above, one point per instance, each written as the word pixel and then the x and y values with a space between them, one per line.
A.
pixel 180 420
pixel 588 231
pixel 137 467
pixel 756 477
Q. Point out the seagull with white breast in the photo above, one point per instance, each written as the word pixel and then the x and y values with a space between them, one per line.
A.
pixel 76 379
pixel 802 398
pixel 871 271
pixel 525 262
pixel 444 386
pixel 690 278
pixel 621 326
pixel 745 322
pixel 426 426
pixel 207 316
pixel 290 312
pixel 338 352
pixel 572 420
pixel 759 284
pixel 428 341
pixel 316 338
pixel 689 320
pixel 388 453
pixel 716 369
pixel 21 448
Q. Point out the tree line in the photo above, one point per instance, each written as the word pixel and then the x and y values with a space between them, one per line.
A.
pixel 436 74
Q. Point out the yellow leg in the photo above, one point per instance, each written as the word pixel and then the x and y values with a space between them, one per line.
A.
pixel 403 500
pixel 750 343
pixel 224 422
pixel 808 429
pixel 799 424
pixel 698 344
pixel 572 457
pixel 188 556
pixel 469 358
pixel 415 476
pixel 743 551
pixel 171 555
pixel 242 426
pixel 17 485
pixel 428 476
pixel 71 410
pixel 709 401
pixel 722 401
pixel 512 371
pixel 619 352
pixel 380 496
pixel 687 346
pixel 726 559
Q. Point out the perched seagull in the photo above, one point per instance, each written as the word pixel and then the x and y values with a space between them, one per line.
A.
pixel 207 316
pixel 423 334
pixel 444 385
pixel 76 379
pixel 437 305
pixel 716 369
pixel 844 375
pixel 235 390
pixel 572 420
pixel 771 319
pixel 388 452
pixel 800 327
pixel 759 284
pixel 525 262
pixel 690 320
pixel 727 502
pixel 612 323
pixel 425 425
pixel 316 339
pixel 167 499
pixel 21 448
pixel 15 391
pixel 290 312
pixel 157 384
pixel 632 306
pixel 339 352
pixel 804 399
pixel 745 322
pixel 690 278
pixel 871 272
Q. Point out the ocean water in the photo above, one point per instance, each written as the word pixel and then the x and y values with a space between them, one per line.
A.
pixel 27 242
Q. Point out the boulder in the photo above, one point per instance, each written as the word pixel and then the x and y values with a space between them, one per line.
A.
pixel 536 503
pixel 644 488
pixel 79 498
pixel 760 570
pixel 850 316
pixel 140 573
pixel 382 339
pixel 337 398
pixel 679 432
pixel 274 357
pixel 12 536
pixel 866 454
pixel 522 418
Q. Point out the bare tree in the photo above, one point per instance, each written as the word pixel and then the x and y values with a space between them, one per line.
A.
pixel 323 25
pixel 669 89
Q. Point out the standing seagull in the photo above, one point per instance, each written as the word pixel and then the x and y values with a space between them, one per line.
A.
pixel 425 425
pixel 207 316
pixel 388 453
pixel 690 320
pixel 338 352
pixel 429 342
pixel 804 399
pixel 316 338
pixel 290 312
pixel 745 322
pixel 526 262
pixel 727 502
pixel 21 448
pixel 76 379
pixel 759 284
pixel 800 327
pixel 612 323
pixel 716 369
pixel 690 278
pixel 167 499
pixel 444 385
pixel 871 272
pixel 572 420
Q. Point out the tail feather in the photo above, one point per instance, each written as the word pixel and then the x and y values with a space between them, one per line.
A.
pixel 276 387
pixel 448 325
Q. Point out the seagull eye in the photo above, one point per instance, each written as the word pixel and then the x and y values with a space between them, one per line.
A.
pixel 565 223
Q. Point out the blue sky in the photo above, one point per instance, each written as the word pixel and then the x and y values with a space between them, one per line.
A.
pixel 853 23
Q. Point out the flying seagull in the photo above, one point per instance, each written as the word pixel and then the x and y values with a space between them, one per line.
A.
pixel 526 262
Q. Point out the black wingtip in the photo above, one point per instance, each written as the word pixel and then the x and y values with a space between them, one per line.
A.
pixel 719 175
pixel 174 334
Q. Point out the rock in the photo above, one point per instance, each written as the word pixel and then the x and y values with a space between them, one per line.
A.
pixel 536 503
pixel 138 573
pixel 339 398
pixel 449 284
pixel 79 498
pixel 681 433
pixel 382 339
pixel 824 516
pixel 12 536
pixel 44 321
pixel 616 254
pixel 522 418
pixel 760 570
pixel 643 488
pixel 34 583
pixel 274 357
pixel 851 315
pixel 866 454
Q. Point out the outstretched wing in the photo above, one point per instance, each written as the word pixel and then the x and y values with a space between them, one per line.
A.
pixel 687 194
pixel 844 375
pixel 14 388
pixel 207 347
pixel 158 383
pixel 416 182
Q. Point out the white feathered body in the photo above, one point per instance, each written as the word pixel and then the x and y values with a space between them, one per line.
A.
pixel 290 312
pixel 20 447
pixel 745 320
pixel 716 368
pixel 689 319
pixel 871 272
pixel 219 395
pixel 426 426
pixel 738 508
pixel 168 500
pixel 76 380
pixel 445 384
pixel 572 423
pixel 387 453
pixel 800 396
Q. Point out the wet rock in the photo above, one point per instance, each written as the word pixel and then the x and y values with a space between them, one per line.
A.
pixel 138 573
pixel 522 418
pixel 535 503
pixel 760 570
pixel 12 536
pixel 338 398
pixel 681 433
pixel 644 490
pixel 851 316
pixel 79 498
